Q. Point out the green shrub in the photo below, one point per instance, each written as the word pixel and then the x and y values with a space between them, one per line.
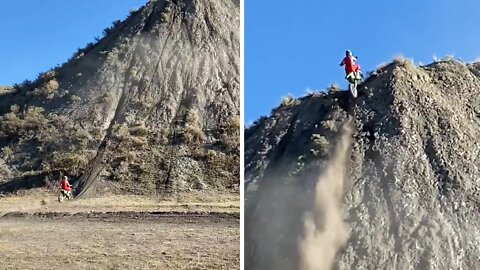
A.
pixel 115 25
pixel 320 144
pixel 75 98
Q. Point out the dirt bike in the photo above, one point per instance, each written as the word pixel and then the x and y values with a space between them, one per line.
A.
pixel 353 82
pixel 68 195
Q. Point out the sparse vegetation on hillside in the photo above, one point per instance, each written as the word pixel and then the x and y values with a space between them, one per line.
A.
pixel 16 123
pixel 127 109
pixel 192 132
pixel 287 101
pixel 45 85
pixel 413 159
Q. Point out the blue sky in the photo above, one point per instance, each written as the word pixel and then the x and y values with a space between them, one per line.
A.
pixel 36 35
pixel 291 46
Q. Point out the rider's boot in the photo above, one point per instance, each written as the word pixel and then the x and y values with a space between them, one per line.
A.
pixel 350 77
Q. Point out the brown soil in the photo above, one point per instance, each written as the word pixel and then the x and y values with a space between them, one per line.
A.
pixel 119 243
pixel 121 232
pixel 47 202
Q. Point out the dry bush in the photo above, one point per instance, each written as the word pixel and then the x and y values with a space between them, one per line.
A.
pixel 17 123
pixel 166 14
pixel 47 76
pixel 218 163
pixel 191 118
pixel 121 132
pixel 130 156
pixel 148 102
pixel 6 152
pixel 287 101
pixel 402 61
pixel 193 134
pixel 328 124
pixel 34 117
pixel 127 140
pixel 165 135
pixel 79 137
pixel 74 98
pixel 69 162
pixel 138 141
pixel 233 125
pixel 231 143
pixel 98 134
pixel 140 130
pixel 46 84
pixel 50 87
pixel 5 173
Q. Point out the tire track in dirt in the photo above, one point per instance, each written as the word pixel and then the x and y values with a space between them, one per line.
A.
pixel 152 215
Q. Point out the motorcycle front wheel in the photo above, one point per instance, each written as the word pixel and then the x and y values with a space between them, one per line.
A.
pixel 352 87
pixel 61 197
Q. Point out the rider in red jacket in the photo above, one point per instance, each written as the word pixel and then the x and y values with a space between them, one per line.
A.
pixel 65 185
pixel 351 67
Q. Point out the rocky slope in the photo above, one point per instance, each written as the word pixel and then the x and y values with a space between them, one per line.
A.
pixel 412 198
pixel 151 106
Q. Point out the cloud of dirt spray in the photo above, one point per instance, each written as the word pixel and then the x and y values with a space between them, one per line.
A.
pixel 325 231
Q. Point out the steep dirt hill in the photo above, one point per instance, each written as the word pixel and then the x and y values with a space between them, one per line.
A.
pixel 152 106
pixel 412 195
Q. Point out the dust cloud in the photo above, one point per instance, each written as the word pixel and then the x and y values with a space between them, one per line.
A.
pixel 295 223
pixel 325 231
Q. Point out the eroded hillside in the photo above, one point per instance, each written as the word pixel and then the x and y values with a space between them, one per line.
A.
pixel 153 106
pixel 412 195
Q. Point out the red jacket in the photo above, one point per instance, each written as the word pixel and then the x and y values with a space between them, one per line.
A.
pixel 350 64
pixel 65 185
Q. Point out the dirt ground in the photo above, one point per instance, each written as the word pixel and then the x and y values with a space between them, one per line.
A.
pixel 47 202
pixel 120 232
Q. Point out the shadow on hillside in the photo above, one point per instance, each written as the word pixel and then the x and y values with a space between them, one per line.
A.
pixel 23 183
